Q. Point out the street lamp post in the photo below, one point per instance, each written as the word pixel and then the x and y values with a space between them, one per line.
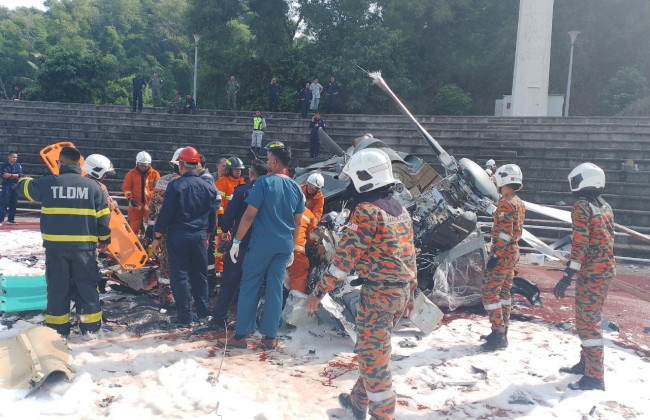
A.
pixel 196 59
pixel 573 35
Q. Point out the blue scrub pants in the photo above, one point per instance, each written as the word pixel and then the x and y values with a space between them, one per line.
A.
pixel 261 263
pixel 188 273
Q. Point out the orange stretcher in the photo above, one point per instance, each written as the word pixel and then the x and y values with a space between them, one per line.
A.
pixel 125 246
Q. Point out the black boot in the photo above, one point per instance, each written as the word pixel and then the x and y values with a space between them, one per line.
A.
pixel 587 383
pixel 577 369
pixel 496 342
pixel 486 337
pixel 357 413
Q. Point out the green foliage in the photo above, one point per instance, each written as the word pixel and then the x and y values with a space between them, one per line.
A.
pixel 627 86
pixel 451 100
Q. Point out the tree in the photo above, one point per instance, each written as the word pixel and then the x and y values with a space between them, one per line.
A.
pixel 451 100
pixel 627 86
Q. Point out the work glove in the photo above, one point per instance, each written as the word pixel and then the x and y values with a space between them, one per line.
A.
pixel 492 262
pixel 133 203
pixel 234 252
pixel 560 288
pixel 148 233
pixel 290 260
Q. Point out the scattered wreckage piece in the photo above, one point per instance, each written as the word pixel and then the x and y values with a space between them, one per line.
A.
pixel 32 357
pixel 22 293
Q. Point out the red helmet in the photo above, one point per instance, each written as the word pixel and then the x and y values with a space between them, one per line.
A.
pixel 189 155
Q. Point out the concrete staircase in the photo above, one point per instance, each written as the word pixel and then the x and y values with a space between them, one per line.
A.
pixel 545 148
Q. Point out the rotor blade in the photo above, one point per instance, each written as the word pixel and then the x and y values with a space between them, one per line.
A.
pixel 329 144
pixel 447 161
pixel 559 214
pixel 565 216
pixel 536 243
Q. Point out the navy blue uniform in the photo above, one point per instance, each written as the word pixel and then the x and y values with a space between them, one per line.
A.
pixel 232 271
pixel 332 91
pixel 305 100
pixel 188 213
pixel 74 217
pixel 314 143
pixel 274 96
pixel 138 86
pixel 9 197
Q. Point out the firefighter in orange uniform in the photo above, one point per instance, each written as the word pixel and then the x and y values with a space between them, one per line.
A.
pixel 504 254
pixel 313 194
pixel 226 185
pixel 138 186
pixel 299 270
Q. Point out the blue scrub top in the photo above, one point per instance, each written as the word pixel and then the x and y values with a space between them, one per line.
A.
pixel 277 199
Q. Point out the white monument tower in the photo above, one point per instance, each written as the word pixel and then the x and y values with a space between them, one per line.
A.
pixel 532 58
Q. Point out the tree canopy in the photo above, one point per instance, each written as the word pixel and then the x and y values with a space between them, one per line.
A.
pixel 441 56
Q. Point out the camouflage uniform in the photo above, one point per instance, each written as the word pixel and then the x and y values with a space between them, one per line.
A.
pixel 506 231
pixel 380 248
pixel 592 256
pixel 155 203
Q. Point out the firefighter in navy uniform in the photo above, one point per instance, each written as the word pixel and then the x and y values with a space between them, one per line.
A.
pixel 378 244
pixel 187 215
pixel 74 217
pixel 592 260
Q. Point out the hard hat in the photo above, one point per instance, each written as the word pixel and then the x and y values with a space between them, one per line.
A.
pixel 490 162
pixel 233 163
pixel 275 145
pixel 369 169
pixel 586 176
pixel 508 174
pixel 189 155
pixel 316 180
pixel 143 158
pixel 174 160
pixel 98 166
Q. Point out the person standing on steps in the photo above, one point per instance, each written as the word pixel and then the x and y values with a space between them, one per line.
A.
pixel 138 87
pixel 592 260
pixel 305 100
pixel 10 171
pixel 259 124
pixel 504 254
pixel 232 89
pixel 156 90
pixel 316 89
pixel 314 143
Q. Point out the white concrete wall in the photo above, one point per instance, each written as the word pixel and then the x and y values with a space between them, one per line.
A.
pixel 532 58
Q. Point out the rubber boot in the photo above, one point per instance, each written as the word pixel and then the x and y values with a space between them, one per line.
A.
pixel 577 369
pixel 587 383
pixel 496 342
pixel 486 337
pixel 357 413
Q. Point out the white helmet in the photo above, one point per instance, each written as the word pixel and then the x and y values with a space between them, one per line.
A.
pixel 98 166
pixel 143 158
pixel 508 174
pixel 490 163
pixel 587 176
pixel 369 169
pixel 316 180
pixel 174 160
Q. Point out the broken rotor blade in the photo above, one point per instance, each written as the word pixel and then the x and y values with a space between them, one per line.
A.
pixel 537 243
pixel 565 216
pixel 329 144
pixel 447 160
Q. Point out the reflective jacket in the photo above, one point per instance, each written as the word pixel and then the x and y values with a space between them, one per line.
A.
pixel 139 185
pixel 592 246
pixel 226 186
pixel 314 202
pixel 307 223
pixel 74 209
pixel 508 224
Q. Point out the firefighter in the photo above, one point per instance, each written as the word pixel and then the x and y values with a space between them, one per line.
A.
pixel 490 167
pixel 378 244
pixel 74 217
pixel 592 259
pixel 299 270
pixel 232 271
pixel 97 167
pixel 226 186
pixel 188 213
pixel 313 194
pixel 137 186
pixel 503 256
pixel 157 198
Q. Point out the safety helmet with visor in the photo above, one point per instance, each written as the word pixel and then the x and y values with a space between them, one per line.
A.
pixel 368 169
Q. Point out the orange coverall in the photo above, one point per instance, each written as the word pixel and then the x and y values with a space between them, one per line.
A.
pixel 315 202
pixel 299 270
pixel 226 186
pixel 139 186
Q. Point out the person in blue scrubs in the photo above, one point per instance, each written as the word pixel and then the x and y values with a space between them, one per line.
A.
pixel 275 206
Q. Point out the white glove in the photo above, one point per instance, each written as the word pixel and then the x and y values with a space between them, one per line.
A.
pixel 234 252
pixel 290 260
